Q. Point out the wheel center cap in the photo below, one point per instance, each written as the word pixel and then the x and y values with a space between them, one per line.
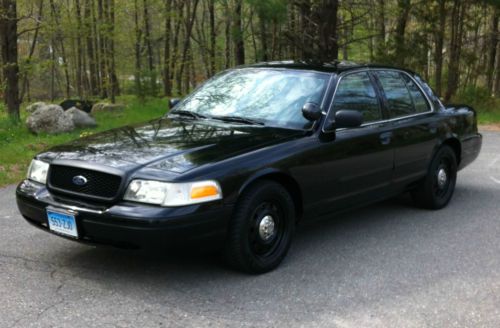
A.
pixel 442 178
pixel 266 227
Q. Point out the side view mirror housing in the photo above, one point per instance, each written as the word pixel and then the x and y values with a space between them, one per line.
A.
pixel 311 111
pixel 173 102
pixel 346 118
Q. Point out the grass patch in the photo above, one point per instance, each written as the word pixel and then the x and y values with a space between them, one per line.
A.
pixel 18 146
pixel 489 117
pixel 487 107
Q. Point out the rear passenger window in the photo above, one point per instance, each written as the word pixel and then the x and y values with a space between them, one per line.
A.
pixel 356 92
pixel 399 99
pixel 419 101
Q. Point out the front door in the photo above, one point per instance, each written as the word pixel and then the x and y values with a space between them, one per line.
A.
pixel 356 167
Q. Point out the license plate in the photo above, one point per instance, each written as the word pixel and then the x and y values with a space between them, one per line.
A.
pixel 61 222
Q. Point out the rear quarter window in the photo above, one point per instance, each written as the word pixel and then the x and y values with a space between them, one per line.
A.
pixel 419 101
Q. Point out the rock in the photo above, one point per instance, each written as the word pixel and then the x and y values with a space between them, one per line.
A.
pixel 50 119
pixel 106 107
pixel 34 106
pixel 81 119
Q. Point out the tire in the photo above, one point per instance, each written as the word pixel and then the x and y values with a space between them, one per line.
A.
pixel 261 229
pixel 437 188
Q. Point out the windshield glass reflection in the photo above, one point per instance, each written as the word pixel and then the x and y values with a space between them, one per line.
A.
pixel 272 96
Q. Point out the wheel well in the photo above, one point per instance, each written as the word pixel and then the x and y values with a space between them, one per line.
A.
pixel 290 185
pixel 455 145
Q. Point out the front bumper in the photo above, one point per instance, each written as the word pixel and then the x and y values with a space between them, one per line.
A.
pixel 128 224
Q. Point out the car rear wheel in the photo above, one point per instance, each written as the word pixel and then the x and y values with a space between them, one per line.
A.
pixel 436 190
pixel 261 228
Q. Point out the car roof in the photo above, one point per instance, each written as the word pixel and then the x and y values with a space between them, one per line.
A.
pixel 330 67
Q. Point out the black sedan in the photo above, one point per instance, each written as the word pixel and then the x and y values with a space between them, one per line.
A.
pixel 251 153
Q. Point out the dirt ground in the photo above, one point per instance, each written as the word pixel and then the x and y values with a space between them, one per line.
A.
pixel 490 127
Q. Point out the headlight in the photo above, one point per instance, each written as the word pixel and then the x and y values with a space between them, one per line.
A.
pixel 38 171
pixel 173 194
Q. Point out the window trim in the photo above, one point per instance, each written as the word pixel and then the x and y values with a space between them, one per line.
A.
pixel 387 120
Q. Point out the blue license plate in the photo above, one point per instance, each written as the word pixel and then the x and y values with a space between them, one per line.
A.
pixel 62 222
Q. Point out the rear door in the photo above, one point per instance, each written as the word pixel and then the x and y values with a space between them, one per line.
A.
pixel 414 129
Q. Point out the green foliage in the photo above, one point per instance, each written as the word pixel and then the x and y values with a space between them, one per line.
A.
pixel 270 10
pixel 18 145
pixel 479 98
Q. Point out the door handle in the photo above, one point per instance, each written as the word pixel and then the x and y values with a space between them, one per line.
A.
pixel 385 138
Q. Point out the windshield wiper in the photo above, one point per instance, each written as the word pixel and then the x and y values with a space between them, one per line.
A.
pixel 188 113
pixel 238 119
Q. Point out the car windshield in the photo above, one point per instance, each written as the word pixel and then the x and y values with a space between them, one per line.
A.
pixel 258 96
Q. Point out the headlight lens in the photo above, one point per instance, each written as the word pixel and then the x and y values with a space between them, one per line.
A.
pixel 38 171
pixel 173 194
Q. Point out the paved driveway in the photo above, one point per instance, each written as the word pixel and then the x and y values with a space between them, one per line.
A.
pixel 388 265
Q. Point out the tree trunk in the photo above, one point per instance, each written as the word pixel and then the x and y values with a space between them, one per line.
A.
pixel 306 29
pixel 263 38
pixel 25 83
pixel 167 85
pixel 213 36
pixel 149 48
pixel 399 36
pixel 227 34
pixel 239 44
pixel 102 49
pixel 114 88
pixel 138 50
pixel 438 52
pixel 191 16
pixel 326 19
pixel 92 62
pixel 79 50
pixel 381 50
pixel 55 16
pixel 175 50
pixel 8 46
pixel 496 87
pixel 493 40
pixel 457 16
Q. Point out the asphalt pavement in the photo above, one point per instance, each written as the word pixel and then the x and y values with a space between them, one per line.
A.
pixel 387 265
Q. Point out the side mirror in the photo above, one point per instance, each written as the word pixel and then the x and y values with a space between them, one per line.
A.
pixel 173 102
pixel 348 118
pixel 311 111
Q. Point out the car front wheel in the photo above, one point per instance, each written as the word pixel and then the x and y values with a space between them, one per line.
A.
pixel 437 188
pixel 261 228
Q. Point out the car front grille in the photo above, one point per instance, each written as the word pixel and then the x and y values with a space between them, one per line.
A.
pixel 99 185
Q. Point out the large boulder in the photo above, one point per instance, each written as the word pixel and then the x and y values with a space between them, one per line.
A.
pixel 81 119
pixel 50 119
pixel 34 106
pixel 106 107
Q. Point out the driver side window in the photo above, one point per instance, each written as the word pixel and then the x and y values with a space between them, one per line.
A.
pixel 356 92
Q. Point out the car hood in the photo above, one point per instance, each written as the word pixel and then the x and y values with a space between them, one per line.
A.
pixel 167 144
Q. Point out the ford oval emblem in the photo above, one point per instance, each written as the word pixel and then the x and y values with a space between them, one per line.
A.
pixel 80 180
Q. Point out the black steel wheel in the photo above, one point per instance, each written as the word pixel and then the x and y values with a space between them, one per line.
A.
pixel 437 188
pixel 261 228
